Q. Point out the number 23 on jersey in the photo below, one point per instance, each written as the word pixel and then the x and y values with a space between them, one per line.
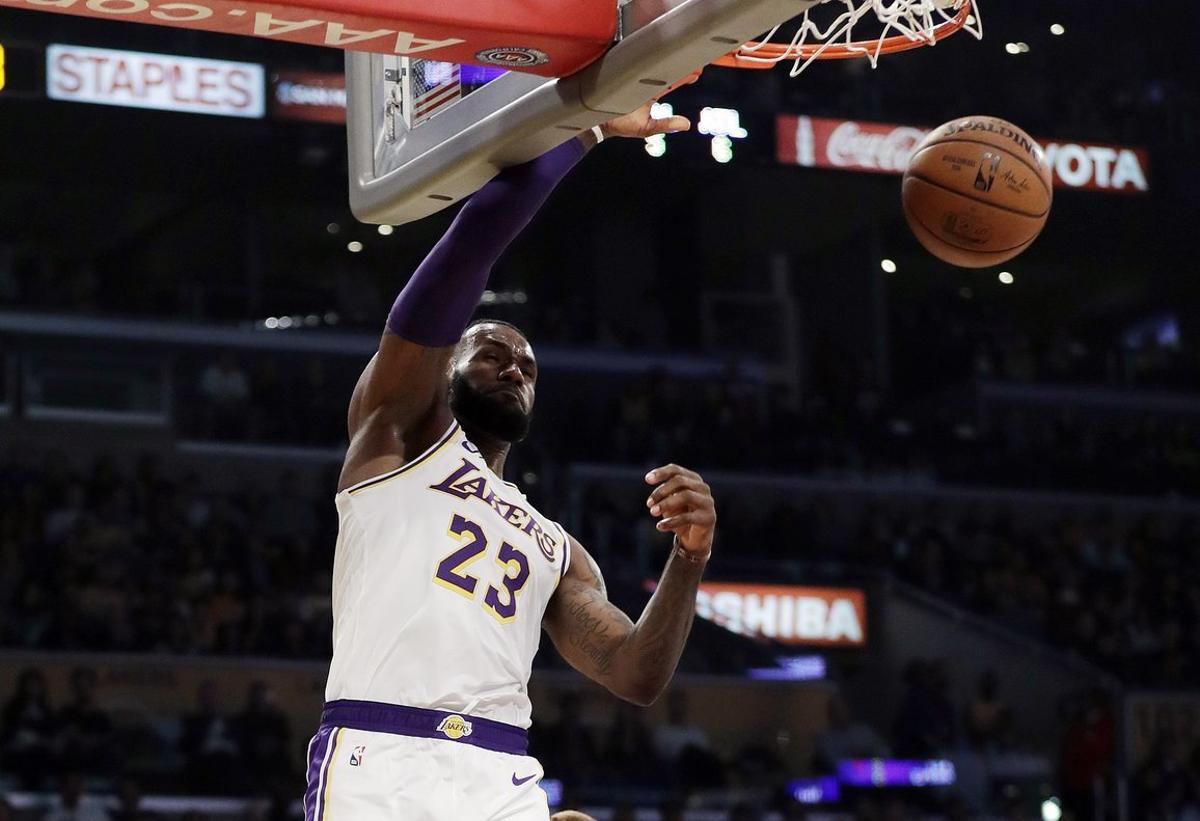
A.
pixel 452 570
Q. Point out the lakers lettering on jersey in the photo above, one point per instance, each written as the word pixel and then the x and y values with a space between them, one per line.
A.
pixel 442 574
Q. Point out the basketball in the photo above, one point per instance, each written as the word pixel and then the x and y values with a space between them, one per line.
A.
pixel 977 191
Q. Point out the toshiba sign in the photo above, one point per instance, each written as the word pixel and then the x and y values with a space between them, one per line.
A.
pixel 883 148
pixel 823 616
pixel 160 81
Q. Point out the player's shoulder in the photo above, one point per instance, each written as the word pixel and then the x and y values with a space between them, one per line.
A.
pixel 378 479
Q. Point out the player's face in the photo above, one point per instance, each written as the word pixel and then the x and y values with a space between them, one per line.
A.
pixel 492 384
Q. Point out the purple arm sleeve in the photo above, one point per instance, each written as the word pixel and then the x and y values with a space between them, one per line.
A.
pixel 439 299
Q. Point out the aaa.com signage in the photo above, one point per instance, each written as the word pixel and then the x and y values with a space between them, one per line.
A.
pixel 160 81
pixel 814 142
pixel 830 617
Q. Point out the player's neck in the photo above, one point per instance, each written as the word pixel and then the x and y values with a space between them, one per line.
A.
pixel 494 451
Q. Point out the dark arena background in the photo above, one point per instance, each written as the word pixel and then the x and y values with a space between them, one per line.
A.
pixel 957 568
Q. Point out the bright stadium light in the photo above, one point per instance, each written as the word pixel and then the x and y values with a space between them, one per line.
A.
pixel 724 125
pixel 285 322
pixel 385 230
pixel 1006 277
pixel 271 323
pixel 656 146
pixel 721 122
pixel 1058 29
pixel 1051 809
pixel 1012 48
pixel 722 149
pixel 888 266
pixel 662 111
pixel 354 247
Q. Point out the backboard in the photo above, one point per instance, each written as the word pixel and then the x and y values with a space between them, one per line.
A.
pixel 420 138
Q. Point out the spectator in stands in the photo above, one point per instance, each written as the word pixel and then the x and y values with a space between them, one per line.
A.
pixel 282 797
pixel 671 811
pixel 83 728
pixel 63 519
pixel 209 744
pixel 263 736
pixel 685 747
pixel 27 731
pixel 288 512
pixel 745 812
pixel 924 725
pixel 988 719
pixel 129 803
pixel 71 803
pixel 843 737
pixel 222 616
pixel 1164 787
pixel 225 390
pixel 628 753
pixel 1088 751
pixel 567 744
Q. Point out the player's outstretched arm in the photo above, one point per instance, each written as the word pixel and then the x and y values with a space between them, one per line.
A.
pixel 636 661
pixel 399 404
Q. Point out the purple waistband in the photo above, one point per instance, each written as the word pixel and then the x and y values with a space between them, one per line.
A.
pixel 377 717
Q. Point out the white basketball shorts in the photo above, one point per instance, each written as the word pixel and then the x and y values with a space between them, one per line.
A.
pixel 387 762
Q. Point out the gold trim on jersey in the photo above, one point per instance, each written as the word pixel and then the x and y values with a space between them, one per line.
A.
pixel 432 451
pixel 337 739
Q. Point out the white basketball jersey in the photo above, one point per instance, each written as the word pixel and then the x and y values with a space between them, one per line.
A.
pixel 442 575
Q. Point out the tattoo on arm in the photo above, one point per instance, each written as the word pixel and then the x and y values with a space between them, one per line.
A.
pixel 590 634
pixel 634 661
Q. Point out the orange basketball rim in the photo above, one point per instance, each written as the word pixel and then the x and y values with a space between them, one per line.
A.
pixel 834 43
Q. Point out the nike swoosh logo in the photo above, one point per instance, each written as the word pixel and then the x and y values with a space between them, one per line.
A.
pixel 519 781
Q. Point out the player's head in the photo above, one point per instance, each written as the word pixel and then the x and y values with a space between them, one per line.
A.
pixel 492 377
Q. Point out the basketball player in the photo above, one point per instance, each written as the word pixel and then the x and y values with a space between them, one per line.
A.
pixel 445 575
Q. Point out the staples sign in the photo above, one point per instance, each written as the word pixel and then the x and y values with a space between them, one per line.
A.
pixel 160 81
pixel 824 616
pixel 883 148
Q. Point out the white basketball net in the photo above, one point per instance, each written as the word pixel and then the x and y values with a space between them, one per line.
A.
pixel 914 20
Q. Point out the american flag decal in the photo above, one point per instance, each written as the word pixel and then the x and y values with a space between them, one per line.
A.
pixel 446 90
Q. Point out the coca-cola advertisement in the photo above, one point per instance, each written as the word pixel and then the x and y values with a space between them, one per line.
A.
pixel 885 148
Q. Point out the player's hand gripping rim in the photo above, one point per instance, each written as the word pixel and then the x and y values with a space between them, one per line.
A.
pixel 685 507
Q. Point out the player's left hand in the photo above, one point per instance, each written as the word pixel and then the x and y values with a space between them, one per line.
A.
pixel 641 123
pixel 685 506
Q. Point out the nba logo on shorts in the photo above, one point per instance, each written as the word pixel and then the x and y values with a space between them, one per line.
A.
pixel 356 757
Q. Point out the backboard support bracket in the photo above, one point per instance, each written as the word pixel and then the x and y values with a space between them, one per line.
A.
pixel 401 171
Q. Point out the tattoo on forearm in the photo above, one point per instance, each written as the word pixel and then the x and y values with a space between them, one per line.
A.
pixel 591 635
